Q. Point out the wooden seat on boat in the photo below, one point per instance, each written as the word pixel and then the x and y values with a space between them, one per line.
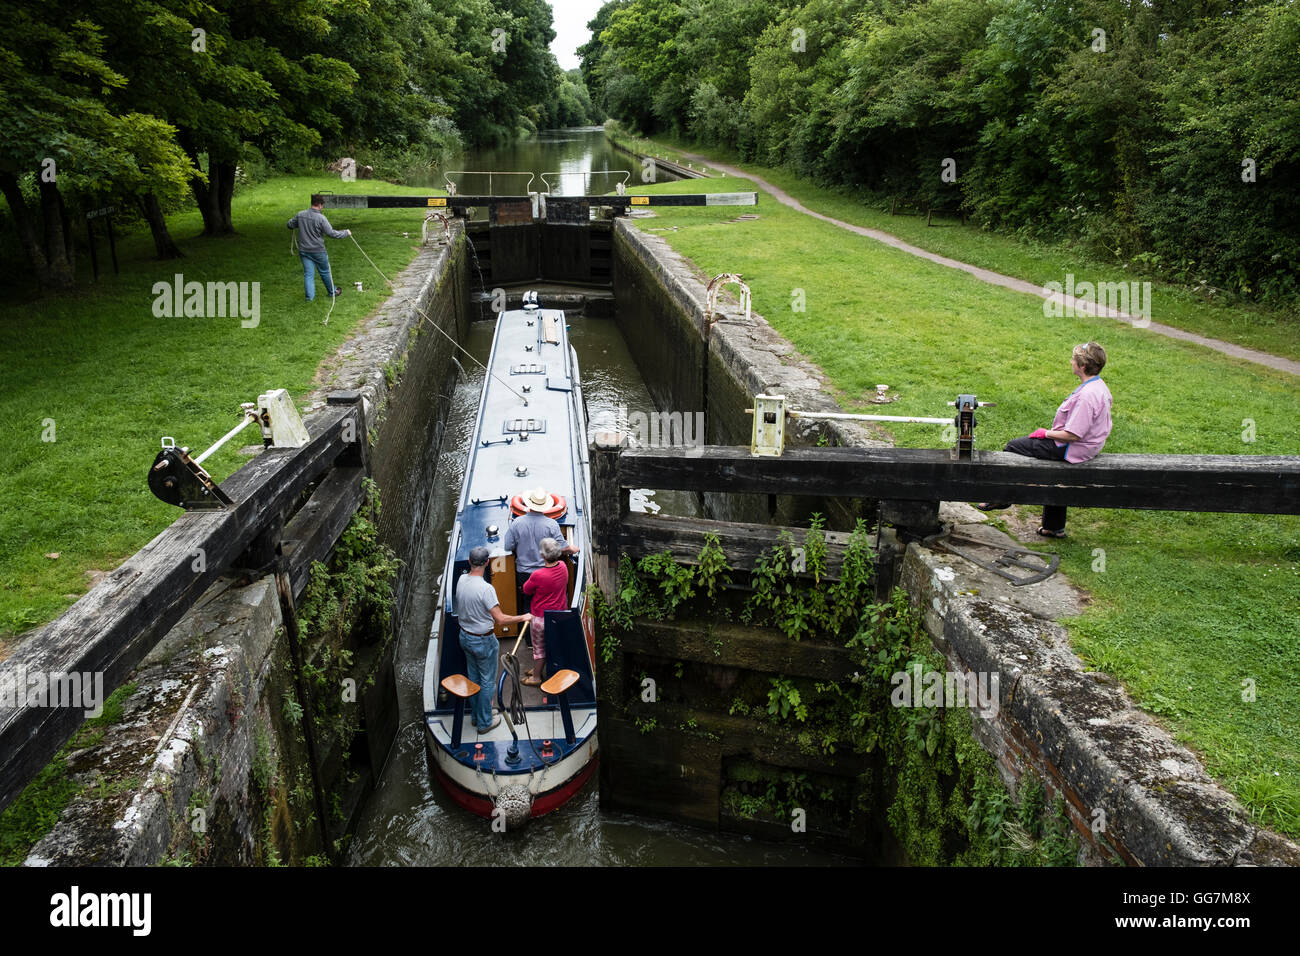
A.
pixel 461 686
pixel 559 682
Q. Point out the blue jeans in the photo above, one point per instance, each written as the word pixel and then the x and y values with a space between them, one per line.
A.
pixel 481 664
pixel 311 261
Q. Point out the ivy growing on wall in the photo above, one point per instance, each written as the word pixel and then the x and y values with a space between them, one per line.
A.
pixel 939 790
pixel 348 604
pixel 345 624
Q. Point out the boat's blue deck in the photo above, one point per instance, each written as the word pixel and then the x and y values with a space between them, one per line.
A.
pixel 489 756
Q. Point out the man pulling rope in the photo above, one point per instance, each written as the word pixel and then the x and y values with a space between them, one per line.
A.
pixel 312 228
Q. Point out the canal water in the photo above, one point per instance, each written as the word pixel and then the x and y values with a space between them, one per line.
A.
pixel 564 162
pixel 409 820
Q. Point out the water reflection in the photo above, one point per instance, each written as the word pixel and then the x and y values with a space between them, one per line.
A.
pixel 580 161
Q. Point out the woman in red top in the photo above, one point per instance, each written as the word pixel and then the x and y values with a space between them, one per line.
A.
pixel 549 588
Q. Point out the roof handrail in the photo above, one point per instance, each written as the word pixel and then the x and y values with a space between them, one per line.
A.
pixel 590 172
pixel 452 188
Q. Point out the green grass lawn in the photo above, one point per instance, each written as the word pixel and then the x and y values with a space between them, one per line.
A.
pixel 113 379
pixel 1186 607
pixel 1276 331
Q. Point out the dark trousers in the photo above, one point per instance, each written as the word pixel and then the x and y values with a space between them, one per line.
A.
pixel 525 600
pixel 1044 448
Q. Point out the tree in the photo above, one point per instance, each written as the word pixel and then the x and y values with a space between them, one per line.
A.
pixel 145 44
pixel 797 67
pixel 590 53
pixel 574 106
pixel 719 38
pixel 225 74
pixel 270 83
pixel 1223 200
pixel 387 43
pixel 458 67
pixel 59 135
pixel 529 69
pixel 901 111
pixel 643 63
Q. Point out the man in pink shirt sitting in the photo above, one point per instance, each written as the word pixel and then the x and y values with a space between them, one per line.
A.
pixel 1078 431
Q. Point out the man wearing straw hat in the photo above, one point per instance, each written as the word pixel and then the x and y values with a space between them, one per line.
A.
pixel 524 538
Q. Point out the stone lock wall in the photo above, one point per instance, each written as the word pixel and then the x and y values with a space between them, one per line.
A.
pixel 718 367
pixel 1133 794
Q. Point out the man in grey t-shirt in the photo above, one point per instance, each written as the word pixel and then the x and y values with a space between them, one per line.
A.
pixel 312 228
pixel 479 613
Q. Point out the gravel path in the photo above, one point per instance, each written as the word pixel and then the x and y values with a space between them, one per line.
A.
pixel 1079 306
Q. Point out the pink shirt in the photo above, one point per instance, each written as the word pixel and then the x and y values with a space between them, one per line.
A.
pixel 549 588
pixel 1085 413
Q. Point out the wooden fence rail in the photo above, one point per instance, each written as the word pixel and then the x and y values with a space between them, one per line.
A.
pixel 111 629
pixel 1251 484
pixel 910 483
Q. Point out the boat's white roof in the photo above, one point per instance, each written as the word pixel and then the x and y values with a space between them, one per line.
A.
pixel 527 367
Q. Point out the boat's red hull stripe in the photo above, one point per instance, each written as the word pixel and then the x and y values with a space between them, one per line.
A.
pixel 543 803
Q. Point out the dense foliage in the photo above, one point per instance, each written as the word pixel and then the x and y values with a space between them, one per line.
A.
pixel 937 788
pixel 143 102
pixel 1165 135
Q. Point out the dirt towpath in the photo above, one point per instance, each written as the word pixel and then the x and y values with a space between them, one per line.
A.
pixel 1079 306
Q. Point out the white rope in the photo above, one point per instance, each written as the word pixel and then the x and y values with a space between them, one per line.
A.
pixel 368 259
pixel 333 299
pixel 424 315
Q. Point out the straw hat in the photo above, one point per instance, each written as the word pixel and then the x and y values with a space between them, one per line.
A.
pixel 539 500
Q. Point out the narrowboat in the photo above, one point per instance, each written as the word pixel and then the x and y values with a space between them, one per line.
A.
pixel 530 433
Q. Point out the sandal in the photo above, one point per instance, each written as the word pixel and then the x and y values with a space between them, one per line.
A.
pixel 1045 533
pixel 531 682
